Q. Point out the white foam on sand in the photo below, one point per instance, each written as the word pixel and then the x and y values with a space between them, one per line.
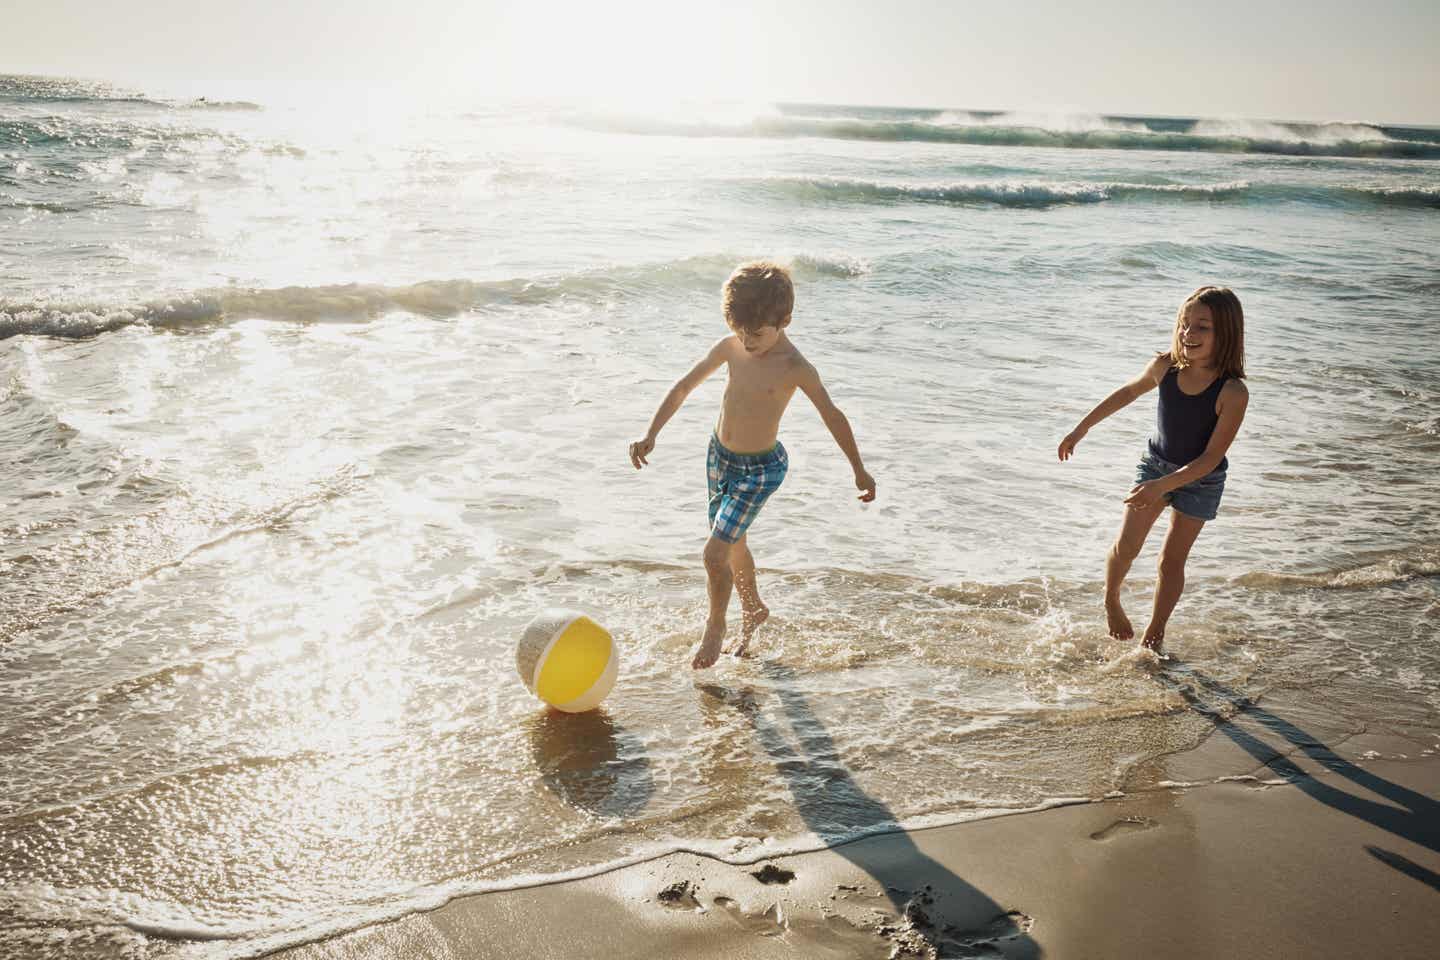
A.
pixel 124 917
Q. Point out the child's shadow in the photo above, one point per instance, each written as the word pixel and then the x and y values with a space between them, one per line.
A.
pixel 1415 817
pixel 936 906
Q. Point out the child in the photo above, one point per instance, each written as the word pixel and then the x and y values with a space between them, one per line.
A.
pixel 746 463
pixel 1202 401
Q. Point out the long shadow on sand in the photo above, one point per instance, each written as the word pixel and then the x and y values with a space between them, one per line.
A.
pixel 936 907
pixel 1410 815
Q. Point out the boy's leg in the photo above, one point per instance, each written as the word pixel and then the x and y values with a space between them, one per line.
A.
pixel 1178 541
pixel 718 581
pixel 1133 531
pixel 726 554
pixel 753 610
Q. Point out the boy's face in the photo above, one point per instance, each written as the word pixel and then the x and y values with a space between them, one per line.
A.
pixel 759 342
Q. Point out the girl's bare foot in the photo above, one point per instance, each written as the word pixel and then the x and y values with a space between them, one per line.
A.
pixel 1119 624
pixel 1153 641
pixel 750 620
pixel 710 642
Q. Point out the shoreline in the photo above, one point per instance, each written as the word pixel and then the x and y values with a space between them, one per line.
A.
pixel 1304 854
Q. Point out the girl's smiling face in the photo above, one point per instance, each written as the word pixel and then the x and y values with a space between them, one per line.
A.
pixel 1197 335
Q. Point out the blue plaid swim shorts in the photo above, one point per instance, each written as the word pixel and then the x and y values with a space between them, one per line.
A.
pixel 739 484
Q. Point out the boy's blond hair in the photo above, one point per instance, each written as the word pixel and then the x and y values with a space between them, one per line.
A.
pixel 758 294
pixel 1229 330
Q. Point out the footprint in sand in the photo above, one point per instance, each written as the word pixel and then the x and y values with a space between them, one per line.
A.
pixel 986 941
pixel 769 923
pixel 1124 826
pixel 773 874
pixel 679 896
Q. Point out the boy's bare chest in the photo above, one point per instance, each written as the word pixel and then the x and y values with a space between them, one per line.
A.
pixel 761 381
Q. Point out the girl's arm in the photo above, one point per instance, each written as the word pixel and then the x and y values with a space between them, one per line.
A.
pixel 1234 398
pixel 668 407
pixel 808 379
pixel 1154 372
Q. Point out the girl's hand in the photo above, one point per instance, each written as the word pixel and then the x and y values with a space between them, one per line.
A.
pixel 639 450
pixel 866 483
pixel 1146 496
pixel 1067 446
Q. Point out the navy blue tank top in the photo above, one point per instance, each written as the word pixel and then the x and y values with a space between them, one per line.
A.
pixel 1184 423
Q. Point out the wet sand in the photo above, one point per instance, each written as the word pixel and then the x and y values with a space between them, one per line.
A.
pixel 1300 849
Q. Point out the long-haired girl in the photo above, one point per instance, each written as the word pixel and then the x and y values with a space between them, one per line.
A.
pixel 1202 403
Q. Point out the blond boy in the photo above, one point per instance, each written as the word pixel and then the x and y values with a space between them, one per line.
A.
pixel 765 368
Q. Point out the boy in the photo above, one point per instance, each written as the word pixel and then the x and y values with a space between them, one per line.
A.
pixel 765 368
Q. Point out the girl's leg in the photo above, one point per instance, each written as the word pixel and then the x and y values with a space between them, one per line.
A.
pixel 1178 541
pixel 753 609
pixel 1133 531
pixel 718 581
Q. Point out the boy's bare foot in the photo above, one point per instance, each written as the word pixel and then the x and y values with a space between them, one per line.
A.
pixel 710 642
pixel 750 620
pixel 1118 623
pixel 1153 641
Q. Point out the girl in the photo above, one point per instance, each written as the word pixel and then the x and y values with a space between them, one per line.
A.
pixel 1202 401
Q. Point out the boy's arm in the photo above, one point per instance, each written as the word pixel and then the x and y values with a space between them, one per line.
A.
pixel 839 427
pixel 697 375
pixel 1154 372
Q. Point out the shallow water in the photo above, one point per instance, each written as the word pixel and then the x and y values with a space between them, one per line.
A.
pixel 301 422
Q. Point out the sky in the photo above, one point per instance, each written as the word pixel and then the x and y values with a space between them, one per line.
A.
pixel 1270 59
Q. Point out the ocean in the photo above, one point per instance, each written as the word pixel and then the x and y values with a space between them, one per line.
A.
pixel 304 414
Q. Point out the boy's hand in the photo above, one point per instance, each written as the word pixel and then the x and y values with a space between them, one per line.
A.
pixel 866 483
pixel 639 450
pixel 1067 446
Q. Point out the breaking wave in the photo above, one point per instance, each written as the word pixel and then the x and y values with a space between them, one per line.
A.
pixel 1383 570
pixel 69 90
pixel 1025 194
pixel 359 302
pixel 1097 133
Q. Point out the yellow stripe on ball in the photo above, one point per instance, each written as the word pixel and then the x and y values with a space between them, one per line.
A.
pixel 567 660
pixel 576 659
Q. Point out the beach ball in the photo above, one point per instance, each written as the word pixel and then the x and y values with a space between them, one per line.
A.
pixel 567 660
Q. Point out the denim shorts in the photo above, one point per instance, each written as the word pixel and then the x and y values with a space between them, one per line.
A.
pixel 1198 498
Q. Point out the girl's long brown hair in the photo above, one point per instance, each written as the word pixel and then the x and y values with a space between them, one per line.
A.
pixel 1229 330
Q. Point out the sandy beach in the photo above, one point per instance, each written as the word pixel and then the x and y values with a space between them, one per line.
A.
pixel 1299 848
